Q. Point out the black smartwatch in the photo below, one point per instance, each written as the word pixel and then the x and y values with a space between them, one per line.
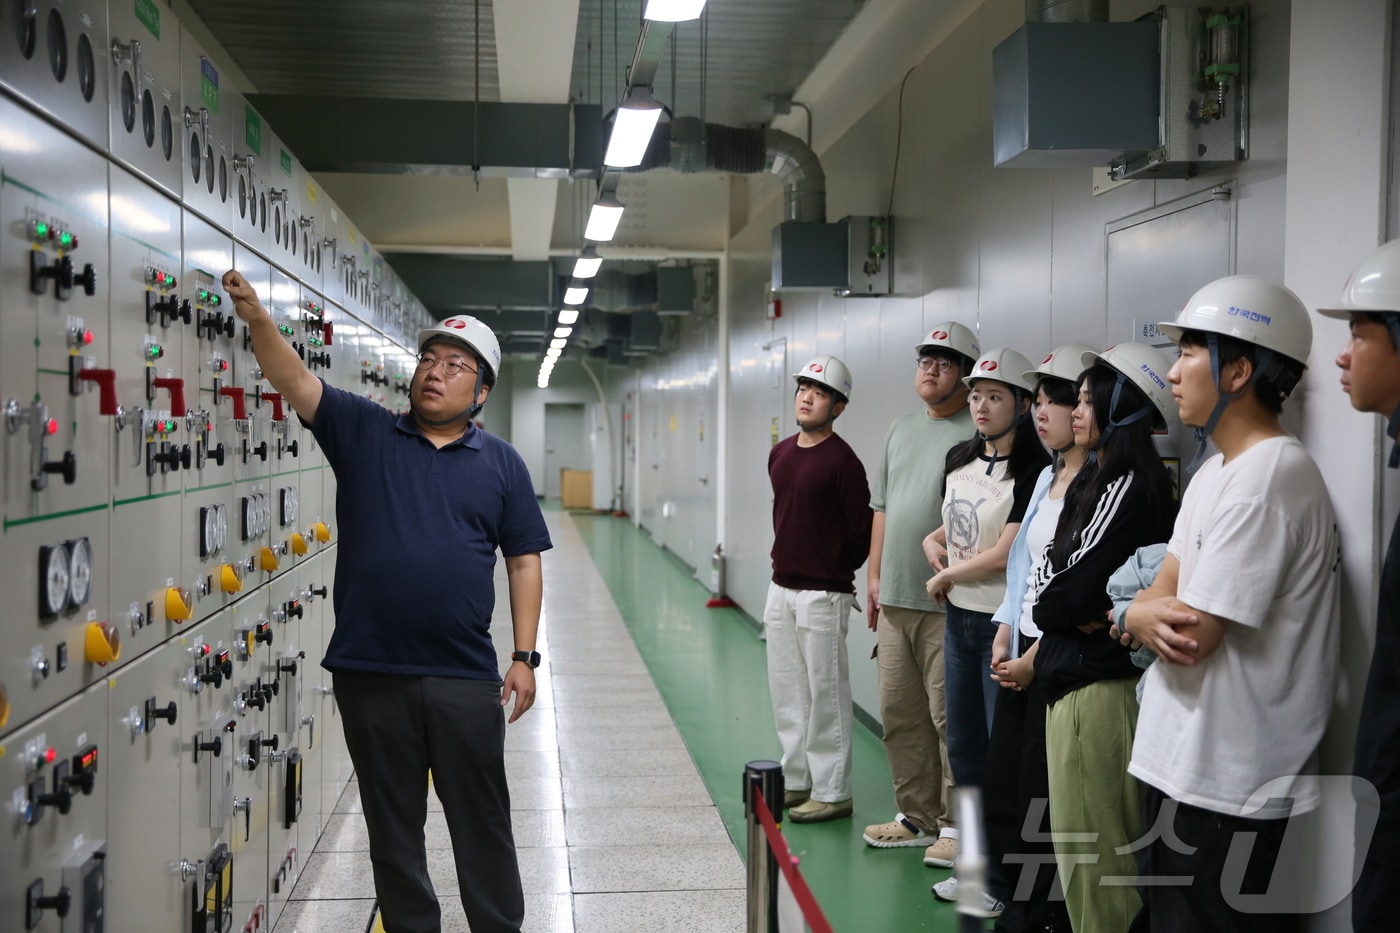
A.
pixel 531 658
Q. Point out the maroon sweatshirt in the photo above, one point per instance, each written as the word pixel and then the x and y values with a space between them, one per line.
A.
pixel 821 515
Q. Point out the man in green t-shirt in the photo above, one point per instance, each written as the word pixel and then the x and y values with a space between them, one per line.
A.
pixel 905 493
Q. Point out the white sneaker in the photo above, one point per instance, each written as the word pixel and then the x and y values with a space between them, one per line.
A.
pixel 948 891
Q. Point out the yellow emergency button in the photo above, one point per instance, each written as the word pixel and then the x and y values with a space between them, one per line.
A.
pixel 297 542
pixel 179 604
pixel 229 580
pixel 267 560
pixel 102 643
pixel 322 532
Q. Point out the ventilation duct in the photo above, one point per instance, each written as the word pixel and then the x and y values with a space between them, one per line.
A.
pixel 1163 95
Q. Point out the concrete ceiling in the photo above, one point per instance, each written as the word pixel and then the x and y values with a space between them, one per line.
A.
pixel 728 67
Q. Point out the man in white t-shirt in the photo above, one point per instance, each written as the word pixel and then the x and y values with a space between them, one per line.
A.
pixel 1244 616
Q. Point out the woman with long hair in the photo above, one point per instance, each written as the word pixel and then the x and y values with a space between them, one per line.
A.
pixel 1121 500
pixel 988 482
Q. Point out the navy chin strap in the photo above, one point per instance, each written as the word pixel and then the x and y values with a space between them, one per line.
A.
pixel 1263 360
pixel 1115 423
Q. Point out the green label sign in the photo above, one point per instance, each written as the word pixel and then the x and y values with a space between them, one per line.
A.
pixel 287 162
pixel 252 132
pixel 209 85
pixel 149 15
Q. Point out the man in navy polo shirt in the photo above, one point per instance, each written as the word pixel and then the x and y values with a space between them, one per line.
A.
pixel 425 500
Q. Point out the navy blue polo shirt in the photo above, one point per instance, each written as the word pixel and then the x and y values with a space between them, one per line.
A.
pixel 419 531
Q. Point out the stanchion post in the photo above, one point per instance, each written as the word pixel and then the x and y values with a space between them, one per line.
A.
pixel 972 857
pixel 766 778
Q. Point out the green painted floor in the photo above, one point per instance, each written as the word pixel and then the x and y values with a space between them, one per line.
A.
pixel 709 666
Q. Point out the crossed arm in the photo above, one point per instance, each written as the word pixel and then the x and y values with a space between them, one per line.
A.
pixel 1178 633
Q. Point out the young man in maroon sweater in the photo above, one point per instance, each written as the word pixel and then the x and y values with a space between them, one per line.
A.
pixel 821 536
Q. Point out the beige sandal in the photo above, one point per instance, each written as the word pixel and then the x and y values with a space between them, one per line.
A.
pixel 896 834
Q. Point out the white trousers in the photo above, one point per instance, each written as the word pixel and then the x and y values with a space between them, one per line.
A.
pixel 810 682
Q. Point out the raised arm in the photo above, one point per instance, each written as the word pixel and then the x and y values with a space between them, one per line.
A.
pixel 279 362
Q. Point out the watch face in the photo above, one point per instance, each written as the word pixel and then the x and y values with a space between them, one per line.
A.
pixel 53 579
pixel 79 571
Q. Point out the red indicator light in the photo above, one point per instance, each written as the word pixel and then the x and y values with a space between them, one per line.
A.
pixel 202 650
pixel 87 337
pixel 51 426
pixel 49 755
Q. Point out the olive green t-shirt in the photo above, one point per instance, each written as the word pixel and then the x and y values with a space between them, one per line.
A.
pixel 908 488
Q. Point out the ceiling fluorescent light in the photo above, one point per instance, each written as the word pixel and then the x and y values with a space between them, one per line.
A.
pixel 553 353
pixel 586 266
pixel 563 331
pixel 557 343
pixel 634 122
pixel 673 11
pixel 603 218
pixel 575 294
pixel 568 316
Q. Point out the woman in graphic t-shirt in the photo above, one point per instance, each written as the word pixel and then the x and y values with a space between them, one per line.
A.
pixel 987 483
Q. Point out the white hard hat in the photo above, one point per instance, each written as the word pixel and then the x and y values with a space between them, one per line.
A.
pixel 1374 286
pixel 1145 367
pixel 467 330
pixel 1251 309
pixel 1064 362
pixel 827 371
pixel 950 335
pixel 1002 365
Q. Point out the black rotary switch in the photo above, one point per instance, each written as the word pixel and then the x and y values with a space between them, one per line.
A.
pixel 167 713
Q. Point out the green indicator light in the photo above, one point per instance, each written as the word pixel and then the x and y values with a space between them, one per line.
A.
pixel 215 300
pixel 285 329
pixel 203 294
pixel 315 341
pixel 65 239
pixel 41 230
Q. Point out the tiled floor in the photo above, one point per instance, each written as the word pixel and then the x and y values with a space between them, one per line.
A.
pixel 615 830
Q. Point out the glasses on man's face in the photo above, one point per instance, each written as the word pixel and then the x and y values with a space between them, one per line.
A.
pixel 935 364
pixel 451 365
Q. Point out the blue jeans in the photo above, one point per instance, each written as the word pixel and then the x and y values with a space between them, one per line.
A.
pixel 971 692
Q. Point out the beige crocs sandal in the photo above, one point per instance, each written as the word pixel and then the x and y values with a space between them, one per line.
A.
pixel 896 834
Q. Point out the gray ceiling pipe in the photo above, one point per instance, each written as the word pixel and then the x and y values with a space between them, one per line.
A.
pixel 688 145
pixel 1066 11
pixel 616 291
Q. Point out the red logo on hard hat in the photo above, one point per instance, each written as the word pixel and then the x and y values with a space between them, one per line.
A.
pixel 938 335
pixel 1047 359
pixel 457 323
pixel 989 365
pixel 815 367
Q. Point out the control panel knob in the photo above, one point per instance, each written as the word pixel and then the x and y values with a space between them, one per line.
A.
pixel 168 712
pixel 260 451
pixel 272 743
pixel 61 798
pixel 88 280
pixel 215 746
pixel 83 781
pixel 216 453
pixel 66 466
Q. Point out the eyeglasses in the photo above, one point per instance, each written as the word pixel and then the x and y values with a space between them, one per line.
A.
pixel 935 364
pixel 451 365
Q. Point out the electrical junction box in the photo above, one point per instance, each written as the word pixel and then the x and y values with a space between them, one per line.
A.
pixel 675 290
pixel 850 257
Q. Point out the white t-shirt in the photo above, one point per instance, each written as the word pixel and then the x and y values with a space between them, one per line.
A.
pixel 1039 533
pixel 1258 545
pixel 976 510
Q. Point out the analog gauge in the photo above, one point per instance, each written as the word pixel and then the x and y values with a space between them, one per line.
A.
pixel 53 579
pixel 220 527
pixel 264 513
pixel 208 530
pixel 79 571
pixel 248 520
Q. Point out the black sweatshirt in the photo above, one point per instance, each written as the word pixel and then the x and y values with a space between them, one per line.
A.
pixel 1075 593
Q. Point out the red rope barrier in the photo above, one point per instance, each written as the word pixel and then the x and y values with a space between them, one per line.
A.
pixel 787 863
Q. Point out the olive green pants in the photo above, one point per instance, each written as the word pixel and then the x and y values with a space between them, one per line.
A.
pixel 1095 804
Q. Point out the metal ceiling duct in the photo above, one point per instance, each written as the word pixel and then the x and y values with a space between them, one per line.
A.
pixel 1066 11
pixel 689 145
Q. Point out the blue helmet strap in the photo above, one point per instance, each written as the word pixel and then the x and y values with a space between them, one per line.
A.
pixel 1115 423
pixel 1264 359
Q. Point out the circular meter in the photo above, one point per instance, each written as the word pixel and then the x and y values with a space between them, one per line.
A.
pixel 53 579
pixel 220 527
pixel 79 571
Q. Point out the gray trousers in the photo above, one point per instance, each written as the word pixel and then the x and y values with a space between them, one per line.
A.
pixel 398 728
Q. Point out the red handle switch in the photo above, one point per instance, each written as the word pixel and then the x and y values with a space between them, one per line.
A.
pixel 106 380
pixel 240 407
pixel 276 399
pixel 177 394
